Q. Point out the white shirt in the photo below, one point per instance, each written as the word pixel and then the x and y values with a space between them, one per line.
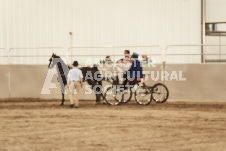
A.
pixel 75 74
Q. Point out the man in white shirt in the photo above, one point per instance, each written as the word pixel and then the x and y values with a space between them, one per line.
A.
pixel 74 83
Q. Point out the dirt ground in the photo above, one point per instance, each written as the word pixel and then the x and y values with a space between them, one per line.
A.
pixel 44 125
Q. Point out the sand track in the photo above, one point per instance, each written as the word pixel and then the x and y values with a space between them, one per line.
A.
pixel 32 124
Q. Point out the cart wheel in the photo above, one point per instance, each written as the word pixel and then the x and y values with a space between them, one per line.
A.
pixel 143 95
pixel 160 93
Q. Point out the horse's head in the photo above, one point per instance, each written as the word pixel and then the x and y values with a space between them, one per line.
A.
pixel 52 61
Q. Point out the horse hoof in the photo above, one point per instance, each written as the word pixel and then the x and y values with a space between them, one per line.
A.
pixel 61 104
pixel 96 103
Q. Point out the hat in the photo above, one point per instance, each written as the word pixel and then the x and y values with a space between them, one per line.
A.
pixel 75 63
pixel 134 55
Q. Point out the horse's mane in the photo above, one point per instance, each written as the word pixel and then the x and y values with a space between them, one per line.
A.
pixel 61 60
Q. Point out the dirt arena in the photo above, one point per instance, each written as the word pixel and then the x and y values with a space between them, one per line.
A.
pixel 44 125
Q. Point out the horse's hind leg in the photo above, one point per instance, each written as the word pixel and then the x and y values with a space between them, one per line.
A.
pixel 98 93
pixel 97 97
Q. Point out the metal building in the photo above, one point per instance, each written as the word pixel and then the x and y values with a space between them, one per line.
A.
pixel 44 26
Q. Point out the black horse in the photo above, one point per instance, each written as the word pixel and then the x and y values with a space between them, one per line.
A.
pixel 62 72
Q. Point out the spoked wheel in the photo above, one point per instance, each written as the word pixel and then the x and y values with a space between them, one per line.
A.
pixel 113 96
pixel 143 95
pixel 127 94
pixel 160 93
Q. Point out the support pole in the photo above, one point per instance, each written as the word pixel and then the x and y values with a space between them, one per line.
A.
pixel 203 33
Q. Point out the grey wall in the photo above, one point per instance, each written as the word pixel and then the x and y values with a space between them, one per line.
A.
pixel 204 82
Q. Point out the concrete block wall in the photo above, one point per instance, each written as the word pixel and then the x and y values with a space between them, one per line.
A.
pixel 204 82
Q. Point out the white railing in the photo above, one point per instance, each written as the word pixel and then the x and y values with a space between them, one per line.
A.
pixel 201 53
pixel 72 52
pixel 110 51
pixel 52 49
pixel 4 56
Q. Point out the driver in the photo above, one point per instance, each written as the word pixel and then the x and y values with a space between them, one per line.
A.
pixel 135 73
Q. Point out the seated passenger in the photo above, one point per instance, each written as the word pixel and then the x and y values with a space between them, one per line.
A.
pixel 126 59
pixel 108 60
pixel 145 59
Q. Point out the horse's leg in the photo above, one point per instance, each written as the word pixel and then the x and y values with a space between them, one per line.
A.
pixel 101 93
pixel 62 91
pixel 98 92
pixel 62 101
pixel 97 98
